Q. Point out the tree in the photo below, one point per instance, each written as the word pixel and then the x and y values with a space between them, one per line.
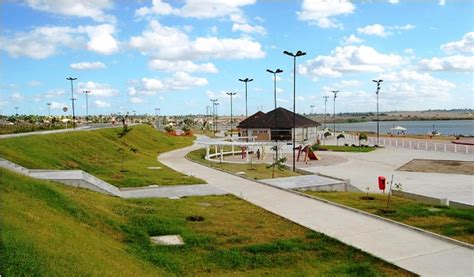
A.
pixel 339 137
pixel 362 136
pixel 122 154
pixel 277 163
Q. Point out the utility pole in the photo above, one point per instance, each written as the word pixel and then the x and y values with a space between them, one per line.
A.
pixel 246 80
pixel 335 96
pixel 298 54
pixel 49 109
pixel 377 93
pixel 72 100
pixel 231 94
pixel 86 92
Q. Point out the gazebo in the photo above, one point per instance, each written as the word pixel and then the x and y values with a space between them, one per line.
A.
pixel 277 125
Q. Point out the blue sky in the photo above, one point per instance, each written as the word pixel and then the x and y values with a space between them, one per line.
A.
pixel 176 55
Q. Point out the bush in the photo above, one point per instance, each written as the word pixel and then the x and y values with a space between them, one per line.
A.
pixel 169 128
pixel 346 144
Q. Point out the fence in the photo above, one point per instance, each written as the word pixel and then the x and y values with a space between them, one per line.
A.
pixel 418 144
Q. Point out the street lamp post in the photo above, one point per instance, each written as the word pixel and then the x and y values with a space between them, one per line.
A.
pixel 275 72
pixel 49 109
pixel 325 112
pixel 298 54
pixel 16 111
pixel 214 115
pixel 216 125
pixel 312 107
pixel 86 92
pixel 335 92
pixel 246 80
pixel 377 93
pixel 72 100
pixel 231 94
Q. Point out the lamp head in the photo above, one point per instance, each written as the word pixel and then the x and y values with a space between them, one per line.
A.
pixel 288 53
pixel 279 71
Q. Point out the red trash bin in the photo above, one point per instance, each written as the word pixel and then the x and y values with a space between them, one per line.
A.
pixel 382 182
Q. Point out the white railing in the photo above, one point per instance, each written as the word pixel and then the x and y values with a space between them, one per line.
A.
pixel 423 145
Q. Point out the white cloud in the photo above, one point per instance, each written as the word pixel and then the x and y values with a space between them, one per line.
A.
pixel 136 100
pixel 199 9
pixel 450 63
pixel 383 31
pixel 16 96
pixel 43 42
pixel 185 66
pixel 373 30
pixel 352 39
pixel 101 104
pixel 319 12
pixel 169 43
pixel 87 65
pixel 158 8
pixel 179 81
pixel 34 83
pixel 97 89
pixel 247 28
pixel 349 59
pixel 394 1
pixel 93 9
pixel 442 2
pixel 58 105
pixel 465 45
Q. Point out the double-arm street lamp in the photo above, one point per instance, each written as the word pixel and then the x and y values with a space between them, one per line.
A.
pixel 72 100
pixel 377 92
pixel 231 94
pixel 312 107
pixel 246 80
pixel 214 113
pixel 298 54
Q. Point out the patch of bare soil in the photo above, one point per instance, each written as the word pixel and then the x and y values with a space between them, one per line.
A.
pixel 439 166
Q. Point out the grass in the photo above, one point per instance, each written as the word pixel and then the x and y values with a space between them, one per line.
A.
pixel 51 229
pixel 343 148
pixel 100 153
pixel 454 223
pixel 25 128
pixel 257 171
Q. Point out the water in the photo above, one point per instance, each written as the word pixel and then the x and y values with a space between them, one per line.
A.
pixel 445 127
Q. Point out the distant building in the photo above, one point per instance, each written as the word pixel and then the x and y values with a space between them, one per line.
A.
pixel 278 125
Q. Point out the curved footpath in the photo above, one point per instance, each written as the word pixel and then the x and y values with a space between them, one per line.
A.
pixel 409 249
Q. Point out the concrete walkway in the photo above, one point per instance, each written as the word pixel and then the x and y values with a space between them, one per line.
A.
pixel 409 249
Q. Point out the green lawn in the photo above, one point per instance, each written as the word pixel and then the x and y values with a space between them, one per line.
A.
pixel 51 229
pixel 455 223
pixel 342 148
pixel 100 153
pixel 255 171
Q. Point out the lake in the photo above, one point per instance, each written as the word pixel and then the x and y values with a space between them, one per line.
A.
pixel 445 127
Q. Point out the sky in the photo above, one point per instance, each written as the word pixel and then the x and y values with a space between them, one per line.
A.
pixel 177 55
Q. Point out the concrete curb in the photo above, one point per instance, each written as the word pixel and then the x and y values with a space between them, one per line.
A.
pixel 431 234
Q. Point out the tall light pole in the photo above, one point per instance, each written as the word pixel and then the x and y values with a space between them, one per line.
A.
pixel 377 93
pixel 72 100
pixel 16 111
pixel 325 112
pixel 312 107
pixel 214 115
pixel 216 125
pixel 246 80
pixel 49 109
pixel 86 92
pixel 335 92
pixel 275 72
pixel 231 94
pixel 298 54
pixel 157 114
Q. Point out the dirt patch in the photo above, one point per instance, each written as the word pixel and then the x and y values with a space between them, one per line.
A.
pixel 439 166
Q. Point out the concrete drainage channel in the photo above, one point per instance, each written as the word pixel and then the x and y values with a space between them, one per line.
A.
pixel 81 179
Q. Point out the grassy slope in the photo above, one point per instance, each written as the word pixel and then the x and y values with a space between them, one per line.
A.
pixel 454 223
pixel 96 153
pixel 342 148
pixel 50 229
pixel 258 171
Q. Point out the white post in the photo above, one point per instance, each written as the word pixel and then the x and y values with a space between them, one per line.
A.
pixel 435 146
pixel 410 143
pixel 467 149
pixel 215 149
pixel 445 147
pixel 455 149
pixel 418 145
pixel 247 153
pixel 232 150
pixel 222 153
pixel 426 145
pixel 207 151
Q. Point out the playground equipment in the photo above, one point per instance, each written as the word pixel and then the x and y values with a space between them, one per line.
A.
pixel 308 153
